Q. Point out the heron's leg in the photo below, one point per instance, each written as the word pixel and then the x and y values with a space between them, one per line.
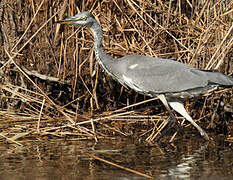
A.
pixel 164 101
pixel 179 107
pixel 169 123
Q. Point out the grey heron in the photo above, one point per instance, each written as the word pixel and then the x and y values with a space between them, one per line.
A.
pixel 171 81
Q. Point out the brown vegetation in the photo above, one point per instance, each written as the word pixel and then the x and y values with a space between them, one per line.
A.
pixel 50 79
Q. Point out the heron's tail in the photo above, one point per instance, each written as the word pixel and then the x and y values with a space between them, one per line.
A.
pixel 219 79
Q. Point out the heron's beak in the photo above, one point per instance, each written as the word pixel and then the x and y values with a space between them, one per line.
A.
pixel 68 20
pixel 73 20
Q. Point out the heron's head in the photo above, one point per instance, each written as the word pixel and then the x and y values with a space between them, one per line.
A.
pixel 82 19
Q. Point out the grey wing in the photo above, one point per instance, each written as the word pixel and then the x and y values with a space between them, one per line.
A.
pixel 145 74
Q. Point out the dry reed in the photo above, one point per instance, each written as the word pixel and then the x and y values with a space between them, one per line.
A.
pixel 52 87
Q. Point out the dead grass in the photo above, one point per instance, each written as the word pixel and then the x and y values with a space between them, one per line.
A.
pixel 85 103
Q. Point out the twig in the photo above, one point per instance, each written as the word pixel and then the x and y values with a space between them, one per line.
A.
pixel 11 140
pixel 119 166
pixel 43 77
pixel 38 124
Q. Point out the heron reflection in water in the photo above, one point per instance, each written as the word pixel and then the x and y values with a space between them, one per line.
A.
pixel 171 81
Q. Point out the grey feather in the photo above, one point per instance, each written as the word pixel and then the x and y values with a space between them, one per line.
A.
pixel 167 76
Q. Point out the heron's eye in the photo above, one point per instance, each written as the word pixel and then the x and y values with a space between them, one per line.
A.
pixel 83 18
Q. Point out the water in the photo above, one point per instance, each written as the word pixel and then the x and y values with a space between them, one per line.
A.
pixel 190 159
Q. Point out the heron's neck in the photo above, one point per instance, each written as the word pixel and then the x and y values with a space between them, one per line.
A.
pixel 103 59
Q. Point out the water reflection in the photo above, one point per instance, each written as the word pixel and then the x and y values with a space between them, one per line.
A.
pixel 67 160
